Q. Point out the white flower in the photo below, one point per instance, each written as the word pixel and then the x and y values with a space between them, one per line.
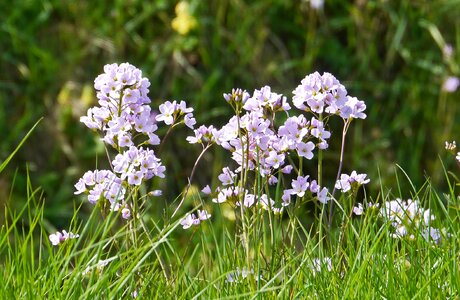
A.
pixel 189 220
pixel 203 215
pixel 358 210
pixel 318 264
pixel 58 237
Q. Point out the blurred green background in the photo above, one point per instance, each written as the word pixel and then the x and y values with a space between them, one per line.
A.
pixel 387 53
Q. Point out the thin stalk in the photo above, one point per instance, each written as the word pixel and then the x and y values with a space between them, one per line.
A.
pixel 191 178
pixel 346 125
pixel 165 138
pixel 320 160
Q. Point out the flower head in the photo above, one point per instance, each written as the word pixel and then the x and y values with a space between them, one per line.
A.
pixel 58 237
pixel 354 180
pixel 451 84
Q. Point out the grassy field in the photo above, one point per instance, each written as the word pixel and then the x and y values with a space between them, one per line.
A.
pixel 394 55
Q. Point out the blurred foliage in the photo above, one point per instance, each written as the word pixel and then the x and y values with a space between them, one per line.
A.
pixel 387 53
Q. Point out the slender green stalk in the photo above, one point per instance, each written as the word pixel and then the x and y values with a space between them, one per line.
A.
pixel 190 179
pixel 339 171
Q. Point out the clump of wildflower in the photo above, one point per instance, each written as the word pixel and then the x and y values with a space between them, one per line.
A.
pixel 351 182
pixel 319 265
pixel 257 145
pixel 124 111
pixel 191 219
pixel 100 185
pixel 60 237
pixel 409 218
pixel 125 121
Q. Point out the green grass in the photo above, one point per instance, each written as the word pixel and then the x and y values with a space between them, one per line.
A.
pixel 160 260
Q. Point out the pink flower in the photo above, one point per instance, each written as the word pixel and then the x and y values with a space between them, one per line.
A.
pixel 451 84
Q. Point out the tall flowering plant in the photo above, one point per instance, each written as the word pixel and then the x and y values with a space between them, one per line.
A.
pixel 258 145
pixel 127 124
pixel 268 143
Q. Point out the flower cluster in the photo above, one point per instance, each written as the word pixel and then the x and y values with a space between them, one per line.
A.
pixel 256 143
pixel 191 219
pixel 101 184
pixel 409 218
pixel 124 111
pixel 451 84
pixel 204 136
pixel 324 93
pixel 351 182
pixel 300 186
pixel 319 264
pixel 137 164
pixel 59 238
pixel 126 122
pixel 451 147
pixel 172 112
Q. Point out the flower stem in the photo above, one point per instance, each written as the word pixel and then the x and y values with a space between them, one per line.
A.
pixel 191 178
pixel 346 125
pixel 320 160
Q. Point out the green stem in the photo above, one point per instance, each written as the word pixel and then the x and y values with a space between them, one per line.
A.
pixel 320 160
pixel 346 125
pixel 191 178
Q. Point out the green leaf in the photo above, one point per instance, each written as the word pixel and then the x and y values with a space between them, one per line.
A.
pixel 7 160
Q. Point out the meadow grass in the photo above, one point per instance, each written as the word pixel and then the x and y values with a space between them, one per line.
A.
pixel 356 258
